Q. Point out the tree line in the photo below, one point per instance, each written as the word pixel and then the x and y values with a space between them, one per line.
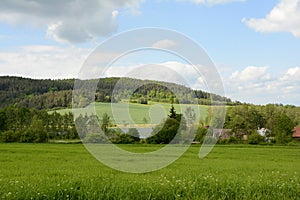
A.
pixel 31 125
pixel 36 126
pixel 21 124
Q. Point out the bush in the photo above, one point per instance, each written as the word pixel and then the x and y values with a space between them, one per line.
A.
pixel 232 140
pixel 36 132
pixel 9 136
pixel 34 136
pixel 165 134
pixel 95 138
pixel 201 132
pixel 255 138
pixel 125 139
pixel 134 133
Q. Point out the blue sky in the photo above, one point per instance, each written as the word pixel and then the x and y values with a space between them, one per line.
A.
pixel 255 44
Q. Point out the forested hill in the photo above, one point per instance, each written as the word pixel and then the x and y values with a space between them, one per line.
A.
pixel 35 93
pixel 49 94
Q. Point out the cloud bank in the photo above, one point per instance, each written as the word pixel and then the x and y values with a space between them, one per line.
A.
pixel 259 85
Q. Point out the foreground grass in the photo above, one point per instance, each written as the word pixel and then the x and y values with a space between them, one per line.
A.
pixel 68 171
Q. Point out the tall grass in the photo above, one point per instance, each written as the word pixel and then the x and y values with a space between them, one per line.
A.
pixel 68 171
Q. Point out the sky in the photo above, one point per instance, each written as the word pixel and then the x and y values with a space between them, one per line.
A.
pixel 254 44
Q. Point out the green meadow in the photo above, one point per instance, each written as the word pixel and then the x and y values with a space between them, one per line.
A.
pixel 68 171
pixel 153 113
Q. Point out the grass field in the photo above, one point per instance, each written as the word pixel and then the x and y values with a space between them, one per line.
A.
pixel 68 171
pixel 153 113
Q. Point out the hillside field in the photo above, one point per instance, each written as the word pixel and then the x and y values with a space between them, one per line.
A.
pixel 153 113
pixel 68 171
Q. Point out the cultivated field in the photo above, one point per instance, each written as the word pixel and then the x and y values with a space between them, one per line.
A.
pixel 153 113
pixel 68 171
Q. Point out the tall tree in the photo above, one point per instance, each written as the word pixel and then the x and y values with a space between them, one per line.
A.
pixel 2 120
pixel 105 122
pixel 81 125
pixel 283 128
pixel 172 113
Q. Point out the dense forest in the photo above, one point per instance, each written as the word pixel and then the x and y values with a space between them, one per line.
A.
pixel 51 94
pixel 39 94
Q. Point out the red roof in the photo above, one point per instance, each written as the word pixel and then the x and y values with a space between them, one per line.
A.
pixel 296 133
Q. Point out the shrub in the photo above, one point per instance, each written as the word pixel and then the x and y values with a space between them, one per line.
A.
pixel 165 134
pixel 255 138
pixel 95 138
pixel 9 136
pixel 125 139
pixel 201 132
pixel 134 133
pixel 232 140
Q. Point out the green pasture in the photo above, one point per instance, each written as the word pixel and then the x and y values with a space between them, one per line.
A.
pixel 68 171
pixel 154 113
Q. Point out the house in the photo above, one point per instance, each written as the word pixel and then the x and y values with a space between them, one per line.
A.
pixel 296 133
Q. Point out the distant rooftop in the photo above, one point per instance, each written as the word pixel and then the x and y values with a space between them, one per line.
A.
pixel 296 133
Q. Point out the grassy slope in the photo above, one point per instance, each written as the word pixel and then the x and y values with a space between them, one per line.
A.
pixel 69 171
pixel 138 112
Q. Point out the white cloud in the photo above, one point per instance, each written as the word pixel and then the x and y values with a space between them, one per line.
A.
pixel 287 86
pixel 250 73
pixel 284 17
pixel 67 21
pixel 171 71
pixel 164 44
pixel 289 83
pixel 43 61
pixel 211 2
pixel 292 74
